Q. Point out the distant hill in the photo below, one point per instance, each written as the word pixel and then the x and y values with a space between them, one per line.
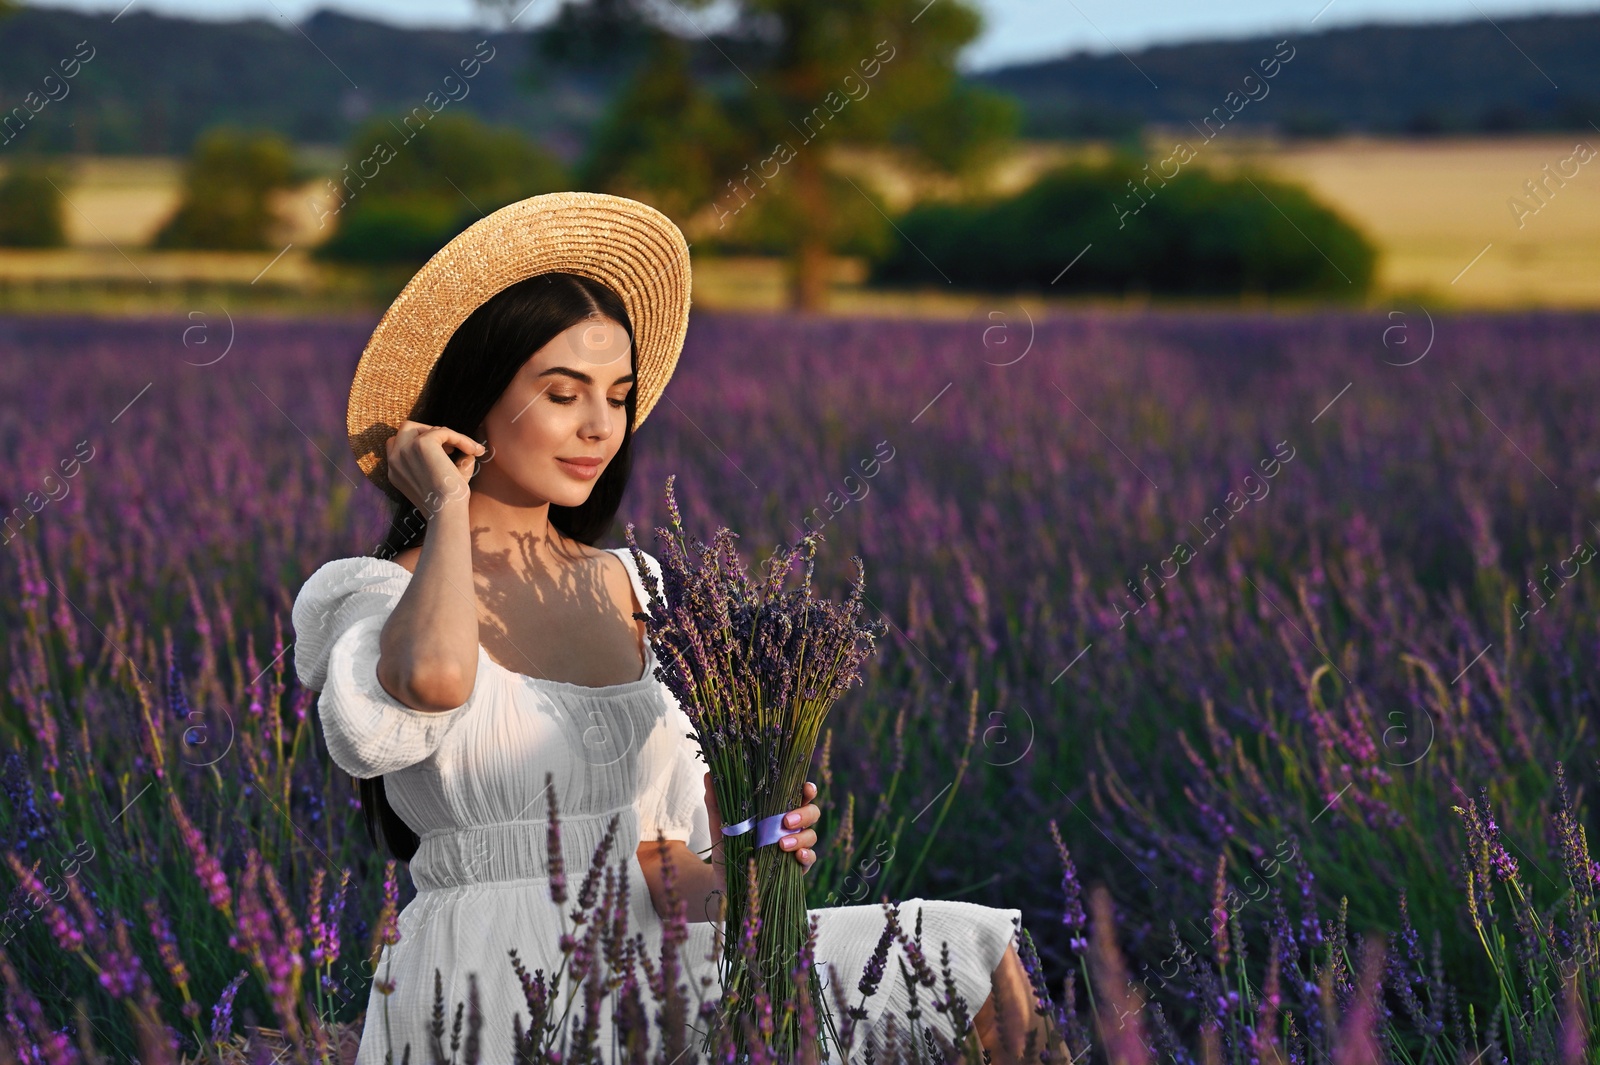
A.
pixel 155 82
pixel 1374 78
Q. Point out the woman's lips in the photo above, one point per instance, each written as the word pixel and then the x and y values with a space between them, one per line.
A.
pixel 584 471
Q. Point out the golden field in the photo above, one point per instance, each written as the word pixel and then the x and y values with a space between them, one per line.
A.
pixel 1443 214
pixel 1440 211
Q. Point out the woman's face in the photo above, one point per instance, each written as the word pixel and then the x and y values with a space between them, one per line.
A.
pixel 562 418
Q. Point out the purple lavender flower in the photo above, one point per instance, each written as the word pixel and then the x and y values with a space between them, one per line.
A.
pixel 177 702
pixel 167 947
pixel 1072 914
pixel 222 1011
pixel 388 932
pixel 120 972
pixel 872 974
pixel 314 918
pixel 28 825
pixel 557 869
pixel 206 867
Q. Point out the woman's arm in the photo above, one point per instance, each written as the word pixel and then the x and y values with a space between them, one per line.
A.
pixel 696 880
pixel 703 882
pixel 429 646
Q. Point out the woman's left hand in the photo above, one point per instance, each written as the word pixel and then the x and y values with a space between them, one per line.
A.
pixel 802 839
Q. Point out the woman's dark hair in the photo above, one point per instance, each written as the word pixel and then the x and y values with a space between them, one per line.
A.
pixel 474 370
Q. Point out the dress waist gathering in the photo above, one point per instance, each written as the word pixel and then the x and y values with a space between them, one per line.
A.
pixel 518 850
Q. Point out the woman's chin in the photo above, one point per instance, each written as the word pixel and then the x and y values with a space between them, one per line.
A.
pixel 569 495
pixel 558 492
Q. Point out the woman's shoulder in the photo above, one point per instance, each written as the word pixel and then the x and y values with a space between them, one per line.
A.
pixel 338 594
pixel 356 567
pixel 651 571
pixel 407 559
pixel 628 553
pixel 361 565
pixel 365 569
pixel 337 578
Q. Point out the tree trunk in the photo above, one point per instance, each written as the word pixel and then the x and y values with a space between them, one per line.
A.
pixel 808 292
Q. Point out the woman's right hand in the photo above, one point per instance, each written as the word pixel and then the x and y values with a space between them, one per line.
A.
pixel 428 648
pixel 421 468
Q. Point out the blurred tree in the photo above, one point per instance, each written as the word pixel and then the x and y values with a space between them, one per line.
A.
pixel 635 151
pixel 601 35
pixel 1197 233
pixel 31 214
pixel 406 191
pixel 748 131
pixel 231 175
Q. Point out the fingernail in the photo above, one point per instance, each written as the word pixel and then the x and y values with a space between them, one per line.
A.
pixel 788 843
pixel 791 821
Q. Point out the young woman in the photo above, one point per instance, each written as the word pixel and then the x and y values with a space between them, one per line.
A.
pixel 487 642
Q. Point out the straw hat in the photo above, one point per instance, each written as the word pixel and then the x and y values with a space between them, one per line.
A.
pixel 628 245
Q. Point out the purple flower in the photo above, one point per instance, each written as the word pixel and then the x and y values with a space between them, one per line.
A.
pixel 872 974
pixel 222 1011
pixel 28 825
pixel 389 917
pixel 556 867
pixel 1072 914
pixel 120 972
pixel 166 945
pixel 177 702
pixel 206 867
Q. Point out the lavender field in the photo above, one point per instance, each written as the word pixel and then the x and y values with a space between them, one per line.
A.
pixel 1278 628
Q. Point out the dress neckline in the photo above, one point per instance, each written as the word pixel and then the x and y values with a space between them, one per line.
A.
pixel 645 677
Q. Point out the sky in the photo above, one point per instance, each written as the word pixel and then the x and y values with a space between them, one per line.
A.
pixel 1014 30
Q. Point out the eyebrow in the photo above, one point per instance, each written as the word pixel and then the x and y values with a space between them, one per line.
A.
pixel 579 375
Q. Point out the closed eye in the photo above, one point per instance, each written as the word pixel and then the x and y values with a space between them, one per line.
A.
pixel 564 400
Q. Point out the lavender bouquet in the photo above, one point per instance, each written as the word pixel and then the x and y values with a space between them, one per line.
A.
pixel 756 669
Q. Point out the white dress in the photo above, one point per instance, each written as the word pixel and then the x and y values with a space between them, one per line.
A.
pixel 471 783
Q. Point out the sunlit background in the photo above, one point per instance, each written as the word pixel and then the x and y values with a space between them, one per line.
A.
pixel 1426 133
pixel 1208 390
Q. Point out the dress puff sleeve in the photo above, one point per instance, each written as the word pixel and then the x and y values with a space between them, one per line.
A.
pixel 673 799
pixel 338 618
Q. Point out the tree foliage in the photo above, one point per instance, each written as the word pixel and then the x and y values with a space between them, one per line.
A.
pixel 31 206
pixel 404 192
pixel 740 134
pixel 227 193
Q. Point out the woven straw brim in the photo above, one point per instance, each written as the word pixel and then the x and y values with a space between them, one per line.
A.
pixel 630 246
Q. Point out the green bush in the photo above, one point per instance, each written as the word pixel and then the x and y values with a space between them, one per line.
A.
pixel 1197 233
pixel 31 213
pixel 226 200
pixel 395 229
pixel 406 190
